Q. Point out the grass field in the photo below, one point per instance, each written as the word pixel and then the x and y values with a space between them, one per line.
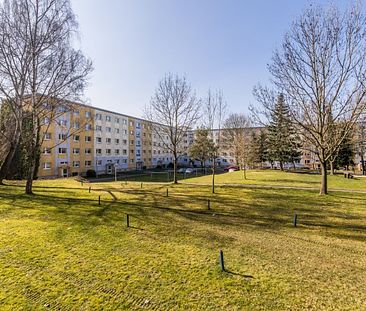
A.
pixel 60 250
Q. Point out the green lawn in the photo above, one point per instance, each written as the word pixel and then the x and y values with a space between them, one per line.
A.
pixel 60 250
pixel 284 179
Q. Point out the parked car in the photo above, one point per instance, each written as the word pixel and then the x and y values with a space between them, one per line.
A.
pixel 181 170
pixel 189 171
pixel 232 168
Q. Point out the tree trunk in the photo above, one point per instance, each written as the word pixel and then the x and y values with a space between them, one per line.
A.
pixel 281 165
pixel 175 169
pixel 294 165
pixel 363 165
pixel 324 183
pixel 213 176
pixel 244 172
pixel 331 167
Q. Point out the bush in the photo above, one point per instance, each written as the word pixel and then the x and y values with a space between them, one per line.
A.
pixel 91 174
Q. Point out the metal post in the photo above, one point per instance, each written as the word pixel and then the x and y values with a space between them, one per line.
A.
pixel 99 200
pixel 167 192
pixel 208 204
pixel 128 220
pixel 222 265
pixel 141 185
pixel 89 189
pixel 295 220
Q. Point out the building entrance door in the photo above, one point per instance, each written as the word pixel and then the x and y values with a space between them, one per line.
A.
pixel 65 172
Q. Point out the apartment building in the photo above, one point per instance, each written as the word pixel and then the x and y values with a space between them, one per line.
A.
pixel 68 146
pixel 87 138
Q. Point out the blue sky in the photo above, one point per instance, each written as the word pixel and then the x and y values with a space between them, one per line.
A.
pixel 224 44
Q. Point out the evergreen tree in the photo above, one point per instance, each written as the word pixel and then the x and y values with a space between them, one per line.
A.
pixel 203 147
pixel 283 143
pixel 346 154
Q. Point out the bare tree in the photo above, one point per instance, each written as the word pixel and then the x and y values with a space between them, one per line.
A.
pixel 320 69
pixel 176 109
pixel 237 139
pixel 215 110
pixel 54 71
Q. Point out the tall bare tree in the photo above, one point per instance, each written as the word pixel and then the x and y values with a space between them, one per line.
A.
pixel 177 109
pixel 236 136
pixel 215 110
pixel 54 71
pixel 320 68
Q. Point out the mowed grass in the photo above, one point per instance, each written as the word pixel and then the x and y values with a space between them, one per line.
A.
pixel 60 250
pixel 283 179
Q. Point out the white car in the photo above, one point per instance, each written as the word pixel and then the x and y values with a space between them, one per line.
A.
pixel 181 170
pixel 189 171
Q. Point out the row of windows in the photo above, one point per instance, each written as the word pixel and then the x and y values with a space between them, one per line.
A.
pixel 48 165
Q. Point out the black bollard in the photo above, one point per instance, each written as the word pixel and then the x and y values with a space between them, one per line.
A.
pixel 295 220
pixel 208 204
pixel 82 183
pixel 127 220
pixel 89 189
pixel 222 265
pixel 141 186
pixel 99 200
pixel 167 192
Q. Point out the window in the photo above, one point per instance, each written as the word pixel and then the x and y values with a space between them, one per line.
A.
pixel 108 129
pixel 62 136
pixel 87 127
pixel 47 151
pixel 116 141
pixel 99 162
pixel 64 163
pixel 124 141
pixel 108 140
pixel 76 125
pixel 87 151
pixel 117 131
pixel 116 151
pixel 131 151
pixel 87 114
pixel 124 121
pixel 62 150
pixel 47 165
pixel 62 109
pixel 108 118
pixel 76 137
pixel 131 160
pixel 76 151
pixel 124 151
pixel 98 151
pixel 76 163
pixel 87 163
pixel 116 120
pixel 108 151
pixel 88 139
pixel 47 136
pixel 131 132
pixel 62 122
pixel 98 116
pixel 47 106
pixel 138 125
pixel 132 142
pixel 98 128
pixel 46 121
pixel 131 123
pixel 76 113
pixel 124 160
pixel 99 140
pixel 125 132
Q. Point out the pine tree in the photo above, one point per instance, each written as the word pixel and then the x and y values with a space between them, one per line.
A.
pixel 203 147
pixel 283 143
pixel 346 154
